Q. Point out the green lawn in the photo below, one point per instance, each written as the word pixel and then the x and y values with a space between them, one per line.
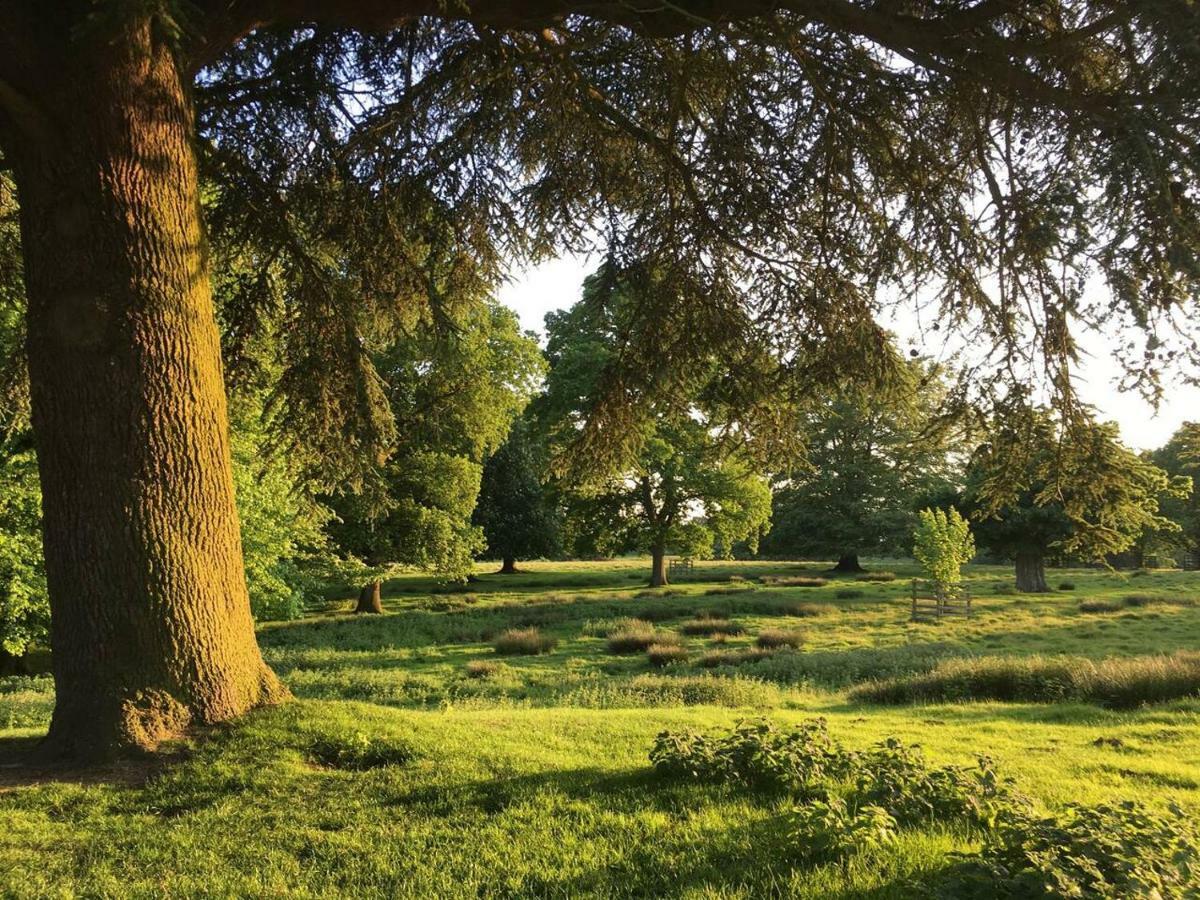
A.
pixel 534 780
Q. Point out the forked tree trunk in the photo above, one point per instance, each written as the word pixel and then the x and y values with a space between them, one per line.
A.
pixel 848 563
pixel 508 566
pixel 370 598
pixel 1031 573
pixel 150 620
pixel 658 567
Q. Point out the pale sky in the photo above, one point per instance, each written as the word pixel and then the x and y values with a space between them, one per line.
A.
pixel 557 284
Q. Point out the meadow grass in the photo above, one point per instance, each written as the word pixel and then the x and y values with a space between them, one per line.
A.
pixel 415 763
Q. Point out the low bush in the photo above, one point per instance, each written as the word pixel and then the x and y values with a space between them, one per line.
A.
pixel 849 594
pixel 1116 682
pixel 1066 586
pixel 707 627
pixel 1098 606
pixel 660 655
pixel 831 830
pixel 658 613
pixel 878 577
pixel 523 642
pixel 773 638
pixel 1122 850
pixel 606 627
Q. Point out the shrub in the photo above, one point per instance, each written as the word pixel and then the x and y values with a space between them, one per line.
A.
pixel 524 642
pixel 607 627
pixel 829 830
pixel 849 594
pixel 1117 682
pixel 1122 850
pixel 876 576
pixel 1066 586
pixel 658 613
pixel 1139 600
pixel 664 654
pixel 483 668
pixel 773 638
pixel 709 627
pixel 1098 606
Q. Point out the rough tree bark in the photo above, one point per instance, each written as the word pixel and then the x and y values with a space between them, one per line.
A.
pixel 1031 573
pixel 508 566
pixel 370 598
pixel 848 563
pixel 151 624
pixel 658 566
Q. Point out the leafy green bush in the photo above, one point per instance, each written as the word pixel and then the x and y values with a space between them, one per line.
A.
pixel 942 544
pixel 524 642
pixel 773 638
pixel 1117 682
pixel 24 605
pixel 1113 851
pixel 830 830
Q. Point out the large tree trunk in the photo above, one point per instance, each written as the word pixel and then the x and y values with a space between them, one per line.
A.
pixel 1031 573
pixel 150 620
pixel 658 567
pixel 848 563
pixel 508 566
pixel 370 598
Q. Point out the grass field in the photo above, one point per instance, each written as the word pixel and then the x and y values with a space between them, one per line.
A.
pixel 419 762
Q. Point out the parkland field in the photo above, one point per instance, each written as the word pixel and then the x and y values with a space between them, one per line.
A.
pixel 495 741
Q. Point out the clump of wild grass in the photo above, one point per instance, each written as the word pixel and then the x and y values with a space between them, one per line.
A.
pixel 1004 589
pixel 849 594
pixel 607 627
pixel 1116 682
pixel 523 642
pixel 483 668
pixel 727 589
pixel 660 655
pixel 794 581
pixel 876 576
pixel 1098 606
pixel 773 638
pixel 807 610
pixel 637 637
pixel 1066 586
pixel 358 752
pixel 658 613
pixel 707 627
pixel 739 657
pixel 736 579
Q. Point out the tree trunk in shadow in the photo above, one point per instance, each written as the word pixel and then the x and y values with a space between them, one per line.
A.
pixel 508 567
pixel 370 598
pixel 849 564
pixel 1031 573
pixel 658 571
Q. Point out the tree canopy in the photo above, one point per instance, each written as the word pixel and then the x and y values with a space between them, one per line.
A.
pixel 1042 484
pixel 873 458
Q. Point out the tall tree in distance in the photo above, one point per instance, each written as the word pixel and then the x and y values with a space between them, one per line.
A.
pixel 454 397
pixel 1041 484
pixel 873 460
pixel 515 510
pixel 1180 457
pixel 805 157
pixel 683 484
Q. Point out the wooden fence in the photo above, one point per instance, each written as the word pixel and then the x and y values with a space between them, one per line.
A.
pixel 929 603
pixel 678 567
